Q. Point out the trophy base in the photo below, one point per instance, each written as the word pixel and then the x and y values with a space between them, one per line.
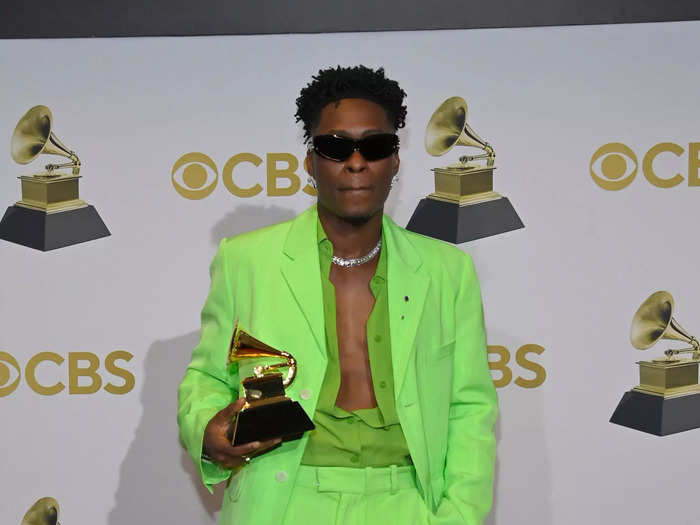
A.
pixel 456 224
pixel 285 419
pixel 49 231
pixel 655 415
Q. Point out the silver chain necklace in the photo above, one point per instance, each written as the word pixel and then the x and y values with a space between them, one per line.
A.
pixel 357 261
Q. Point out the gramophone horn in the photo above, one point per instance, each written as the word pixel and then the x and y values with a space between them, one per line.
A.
pixel 33 136
pixel 244 346
pixel 448 127
pixel 43 512
pixel 654 321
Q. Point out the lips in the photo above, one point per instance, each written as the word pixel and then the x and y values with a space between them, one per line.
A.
pixel 357 188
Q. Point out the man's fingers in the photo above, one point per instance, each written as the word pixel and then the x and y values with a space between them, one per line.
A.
pixel 234 457
pixel 269 445
pixel 252 448
pixel 245 449
pixel 233 408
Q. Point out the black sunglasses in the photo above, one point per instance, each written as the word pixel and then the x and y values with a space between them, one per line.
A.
pixel 372 147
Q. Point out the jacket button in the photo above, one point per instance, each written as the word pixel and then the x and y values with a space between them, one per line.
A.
pixel 305 393
pixel 281 476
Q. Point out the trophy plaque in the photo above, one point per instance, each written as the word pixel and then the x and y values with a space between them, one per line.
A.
pixel 50 214
pixel 463 206
pixel 667 399
pixel 268 413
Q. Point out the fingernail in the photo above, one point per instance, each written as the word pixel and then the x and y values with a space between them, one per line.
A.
pixel 255 444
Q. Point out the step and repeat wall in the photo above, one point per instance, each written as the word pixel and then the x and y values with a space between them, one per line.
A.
pixel 184 141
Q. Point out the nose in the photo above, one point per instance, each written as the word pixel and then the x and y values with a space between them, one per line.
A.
pixel 356 162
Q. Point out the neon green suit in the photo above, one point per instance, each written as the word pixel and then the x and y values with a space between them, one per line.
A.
pixel 445 399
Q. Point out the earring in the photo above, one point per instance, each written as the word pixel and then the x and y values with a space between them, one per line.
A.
pixel 394 179
pixel 312 182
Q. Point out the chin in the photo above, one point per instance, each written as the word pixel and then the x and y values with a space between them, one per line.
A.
pixel 355 208
pixel 357 219
pixel 356 214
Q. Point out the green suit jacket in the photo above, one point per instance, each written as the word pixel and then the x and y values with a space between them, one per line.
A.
pixel 270 280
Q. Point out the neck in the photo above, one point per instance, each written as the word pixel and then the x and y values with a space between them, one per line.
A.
pixel 351 238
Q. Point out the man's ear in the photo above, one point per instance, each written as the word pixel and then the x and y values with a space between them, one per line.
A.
pixel 397 161
pixel 308 165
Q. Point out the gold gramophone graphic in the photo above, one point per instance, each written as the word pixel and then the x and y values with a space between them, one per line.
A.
pixel 43 512
pixel 50 214
pixel 268 412
pixel 667 399
pixel 463 206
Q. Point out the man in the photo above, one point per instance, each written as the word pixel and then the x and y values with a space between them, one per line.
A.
pixel 386 326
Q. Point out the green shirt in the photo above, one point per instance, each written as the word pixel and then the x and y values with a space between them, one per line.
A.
pixel 369 437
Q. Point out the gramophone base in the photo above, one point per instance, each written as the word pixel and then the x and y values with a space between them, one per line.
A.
pixel 456 224
pixel 285 419
pixel 656 415
pixel 49 231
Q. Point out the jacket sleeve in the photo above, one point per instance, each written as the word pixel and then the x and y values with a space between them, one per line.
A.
pixel 471 444
pixel 209 385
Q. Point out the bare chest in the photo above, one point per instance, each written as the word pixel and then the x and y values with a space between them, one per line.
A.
pixel 354 303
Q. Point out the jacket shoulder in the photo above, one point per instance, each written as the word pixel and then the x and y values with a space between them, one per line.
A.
pixel 255 241
pixel 437 255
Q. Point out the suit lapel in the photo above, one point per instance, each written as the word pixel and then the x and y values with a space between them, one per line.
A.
pixel 407 290
pixel 300 269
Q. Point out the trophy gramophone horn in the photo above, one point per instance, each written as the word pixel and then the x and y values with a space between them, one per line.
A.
pixel 654 320
pixel 43 512
pixel 448 127
pixel 33 136
pixel 244 345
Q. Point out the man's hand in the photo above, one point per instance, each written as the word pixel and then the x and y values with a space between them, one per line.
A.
pixel 217 445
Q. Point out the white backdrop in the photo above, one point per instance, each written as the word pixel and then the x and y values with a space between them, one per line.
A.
pixel 546 98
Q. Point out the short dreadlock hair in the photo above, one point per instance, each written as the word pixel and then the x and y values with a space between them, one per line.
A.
pixel 332 85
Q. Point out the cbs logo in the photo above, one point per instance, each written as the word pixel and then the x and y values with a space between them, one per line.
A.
pixel 614 165
pixel 84 376
pixel 195 175
pixel 501 365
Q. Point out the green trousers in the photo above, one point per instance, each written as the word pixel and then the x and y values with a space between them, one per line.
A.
pixel 356 496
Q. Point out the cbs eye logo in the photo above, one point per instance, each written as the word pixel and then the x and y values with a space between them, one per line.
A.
pixel 195 175
pixel 618 165
pixel 195 181
pixel 614 166
pixel 7 385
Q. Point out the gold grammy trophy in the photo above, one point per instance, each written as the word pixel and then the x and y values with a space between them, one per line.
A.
pixel 667 399
pixel 463 206
pixel 268 412
pixel 50 214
